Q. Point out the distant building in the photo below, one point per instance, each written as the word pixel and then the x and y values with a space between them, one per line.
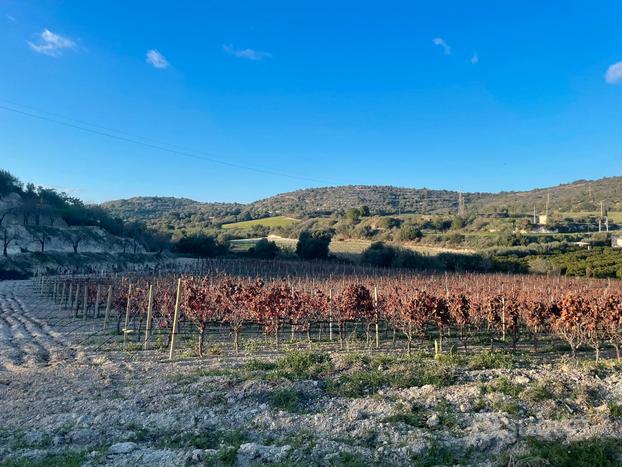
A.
pixel 616 242
pixel 543 219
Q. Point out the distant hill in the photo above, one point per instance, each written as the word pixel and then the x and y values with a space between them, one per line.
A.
pixel 169 213
pixel 579 196
pixel 379 199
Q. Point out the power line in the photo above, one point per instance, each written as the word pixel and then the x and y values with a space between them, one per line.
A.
pixel 134 139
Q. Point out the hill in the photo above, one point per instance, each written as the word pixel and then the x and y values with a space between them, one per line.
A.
pixel 182 213
pixel 169 213
pixel 379 199
pixel 578 196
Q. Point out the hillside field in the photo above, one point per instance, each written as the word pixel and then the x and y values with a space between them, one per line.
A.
pixel 277 221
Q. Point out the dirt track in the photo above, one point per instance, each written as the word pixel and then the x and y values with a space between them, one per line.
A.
pixel 26 340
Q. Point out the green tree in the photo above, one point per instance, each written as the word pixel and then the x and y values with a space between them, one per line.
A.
pixel 9 183
pixel 353 215
pixel 457 223
pixel 409 233
pixel 314 245
pixel 264 249
pixel 200 245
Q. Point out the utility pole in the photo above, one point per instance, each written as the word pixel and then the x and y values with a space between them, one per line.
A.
pixel 534 214
pixel 461 209
pixel 548 199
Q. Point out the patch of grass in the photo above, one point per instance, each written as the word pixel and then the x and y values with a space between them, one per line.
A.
pixel 302 439
pixel 479 405
pixel 587 396
pixel 595 452
pixel 539 392
pixel 615 409
pixel 369 380
pixel 348 459
pixel 511 407
pixel 437 454
pixel 69 459
pixel 412 417
pixel 213 439
pixel 504 386
pixel 490 360
pixel 289 400
pixel 260 365
pixel 140 434
pixel 447 415
pixel 300 364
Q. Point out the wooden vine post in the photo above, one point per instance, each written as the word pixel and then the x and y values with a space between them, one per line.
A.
pixel 97 299
pixel 330 315
pixel 149 316
pixel 127 313
pixel 69 303
pixel 75 301
pixel 377 317
pixel 108 305
pixel 175 318
pixel 85 302
pixel 62 298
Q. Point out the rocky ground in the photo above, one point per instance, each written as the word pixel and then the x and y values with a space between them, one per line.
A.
pixel 67 400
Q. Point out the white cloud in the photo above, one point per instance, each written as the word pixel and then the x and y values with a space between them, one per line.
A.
pixel 475 59
pixel 441 42
pixel 248 54
pixel 156 59
pixel 52 44
pixel 614 73
pixel 11 18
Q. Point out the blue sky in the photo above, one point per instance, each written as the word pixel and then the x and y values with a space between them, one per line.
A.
pixel 478 95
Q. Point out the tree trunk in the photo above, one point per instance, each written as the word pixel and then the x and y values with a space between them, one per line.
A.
pixel 202 331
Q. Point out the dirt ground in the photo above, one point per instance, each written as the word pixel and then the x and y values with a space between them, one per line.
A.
pixel 66 399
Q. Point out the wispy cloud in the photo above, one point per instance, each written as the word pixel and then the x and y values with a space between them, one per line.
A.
pixel 11 18
pixel 614 73
pixel 441 43
pixel 52 45
pixel 249 54
pixel 474 59
pixel 156 59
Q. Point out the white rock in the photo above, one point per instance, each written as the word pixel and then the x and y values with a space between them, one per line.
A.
pixel 433 421
pixel 253 453
pixel 122 448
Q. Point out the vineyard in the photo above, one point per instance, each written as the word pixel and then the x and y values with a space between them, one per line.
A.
pixel 228 302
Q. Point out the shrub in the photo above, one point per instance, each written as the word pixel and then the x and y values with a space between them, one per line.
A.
pixel 314 245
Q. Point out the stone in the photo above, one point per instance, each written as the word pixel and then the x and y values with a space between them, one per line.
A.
pixel 253 453
pixel 433 421
pixel 122 448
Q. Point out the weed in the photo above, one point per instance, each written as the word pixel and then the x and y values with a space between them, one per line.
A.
pixel 69 459
pixel 437 454
pixel 299 364
pixel 260 365
pixel 288 400
pixel 213 439
pixel 540 391
pixel 348 459
pixel 490 360
pixel 615 409
pixel 504 386
pixel 595 452
pixel 511 407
